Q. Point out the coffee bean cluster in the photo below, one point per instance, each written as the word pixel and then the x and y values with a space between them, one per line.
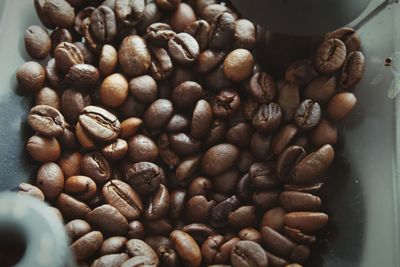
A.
pixel 161 142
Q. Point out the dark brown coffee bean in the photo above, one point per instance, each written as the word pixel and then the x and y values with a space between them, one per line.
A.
pixel 201 119
pixel 266 199
pixel 262 87
pixel 216 80
pixel 300 253
pixel 220 213
pixel 250 234
pixel 187 168
pixel 37 42
pixel 158 204
pixel 30 190
pixel 130 126
pixel 158 114
pixel 84 139
pixel 178 123
pixel 283 138
pixel 183 144
pixel 226 103
pixel 87 245
pixel 100 124
pixel 348 36
pixel 82 76
pixel 341 105
pixel 168 4
pixel 298 236
pixel 182 17
pixel 186 95
pixel 321 89
pixel 200 186
pixel 72 208
pixel 129 12
pixel 248 253
pixel 209 10
pixel 268 118
pixel 157 241
pixel 80 16
pixel 80 187
pixel 103 24
pixel 297 201
pixel 238 65
pixel 198 209
pixel 116 150
pixel 217 133
pixel 144 88
pixel 111 260
pixel 31 76
pixel 186 247
pixel 263 175
pixel 50 180
pixel 244 216
pixel 210 248
pixel 114 90
pixel 108 219
pixel 312 189
pixel 324 133
pixel 151 14
pixel 137 248
pixel 72 103
pixel 224 254
pixel 273 218
pixel 77 228
pixel 161 66
pixel 306 221
pixel 178 199
pixel 159 33
pixel 313 165
pixel 145 177
pixel 240 135
pixel 353 70
pixel 330 56
pixel 53 13
pixel 166 154
pixel 168 256
pixel 199 231
pixel 300 72
pixel 222 31
pixel 261 146
pixel 225 183
pixel 219 158
pixel 199 30
pixel 307 115
pixel 209 59
pixel 112 245
pixel 96 167
pixel 46 121
pixel 183 48
pixel 59 36
pixel 133 55
pixel 68 139
pixel 245 34
pixel 66 55
pixel 276 242
pixel 136 230
pixel 142 148
pixel 108 60
pixel 289 100
pixel 121 196
pixel 49 97
pixel 287 160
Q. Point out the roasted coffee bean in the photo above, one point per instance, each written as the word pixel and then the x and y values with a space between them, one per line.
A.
pixel 243 187
pixel 68 139
pixel 37 42
pixel 168 4
pixel 80 16
pixel 219 158
pixel 116 150
pixel 199 30
pixel 186 94
pixel 312 189
pixel 263 176
pixel 151 14
pixel 266 199
pixel 353 70
pixel 72 208
pixel 289 100
pixel 31 76
pixel 157 241
pixel 103 24
pixel 96 167
pixel 186 247
pixel 158 114
pixel 297 201
pixel 87 245
pixel 222 31
pixel 133 56
pixel 240 135
pixel 216 80
pixel 209 9
pixel 267 118
pixel 217 133
pixel 199 231
pixel 300 72
pixel 273 218
pixel 168 256
pixel 321 89
pixel 142 148
pixel 88 56
pixel 183 144
pixel 201 119
pixel 225 183
pixel 144 88
pixel 159 33
pixel 145 177
pixel 248 253
pixel 306 221
pixel 46 121
pixel 307 115
pixel 130 126
pixel 108 60
pixel 183 48
pixel 262 87
pixel 49 97
pixel 53 77
pixel 158 204
pixel 100 124
pixel 83 138
pixel 83 76
pixel 198 209
pixel 287 161
pixel 182 17
pixel 330 56
pixel 283 138
pixel 187 168
pixel 50 180
pixel 341 105
pixel 220 212
pixel 161 66
pixel 224 254
pixel 313 165
pixel 137 248
pixel 72 103
pixel 209 59
pixel 115 244
pixel 111 260
pixel 210 248
pixel 108 219
pixel 121 196
pixel 245 34
pixel 200 186
pixel 250 234
pixel 136 230
pixel 243 217
pixel 226 103
pixel 178 199
pixel 77 228
pixel 53 13
pixel 261 146
pixel 348 36
pixel 166 154
pixel 114 90
pixel 80 187
pixel 59 36
pixel 30 190
pixel 276 242
pixel 238 65
pixel 129 12
pixel 298 236
pixel 324 133
pixel 66 55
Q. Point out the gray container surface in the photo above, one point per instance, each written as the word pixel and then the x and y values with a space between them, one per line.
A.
pixel 361 192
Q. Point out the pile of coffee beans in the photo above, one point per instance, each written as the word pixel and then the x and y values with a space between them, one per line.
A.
pixel 161 141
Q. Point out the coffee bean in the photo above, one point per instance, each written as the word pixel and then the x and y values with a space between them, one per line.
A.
pixel 77 228
pixel 142 148
pixel 287 161
pixel 250 234
pixel 84 140
pixel 151 14
pixel 50 180
pixel 199 30
pixel 238 65
pixel 178 199
pixel 108 219
pixel 263 176
pixel 135 230
pixel 183 48
pixel 111 260
pixel 186 94
pixel 159 33
pixel 72 103
pixel 283 138
pixel 116 150
pixel 168 4
pixel 66 55
pixel 80 187
pixel 46 121
pixel 313 165
pixel 209 9
pixel 210 248
pixel 321 89
pixel 324 133
pixel 267 118
pixel 348 36
pixel 243 217
pixel 82 76
pixel 200 186
pixel 300 72
pixel 353 70
pixel 276 242
pixel 161 66
pixel 261 146
pixel 273 218
pixel 297 201
pixel 182 17
pixel 225 250
pixel 72 208
pixel 262 87
pixel 59 36
pixel 219 214
pixel 53 13
pixel 114 90
pixel 96 167
pixel 133 55
pixel 31 76
pixel 137 248
pixel 49 97
pixel 226 103
pixel 306 221
pixel 209 59
pixel 37 42
pixel 158 114
pixel 130 126
pixel 158 204
pixel 201 119
pixel 219 158
pixel 225 183
pixel 298 236
pixel 245 34
pixel 186 248
pixel 112 245
pixel 266 200
pixel 289 100
pixel 222 31
pixel 30 190
pixel 103 24
pixel 80 16
pixel 198 209
pixel 216 80
pixel 248 253
pixel 145 177
pixel 129 12
pixel 43 149
pixel 184 145
pixel 108 60
pixel 307 115
pixel 330 56
pixel 240 135
pixel 87 245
